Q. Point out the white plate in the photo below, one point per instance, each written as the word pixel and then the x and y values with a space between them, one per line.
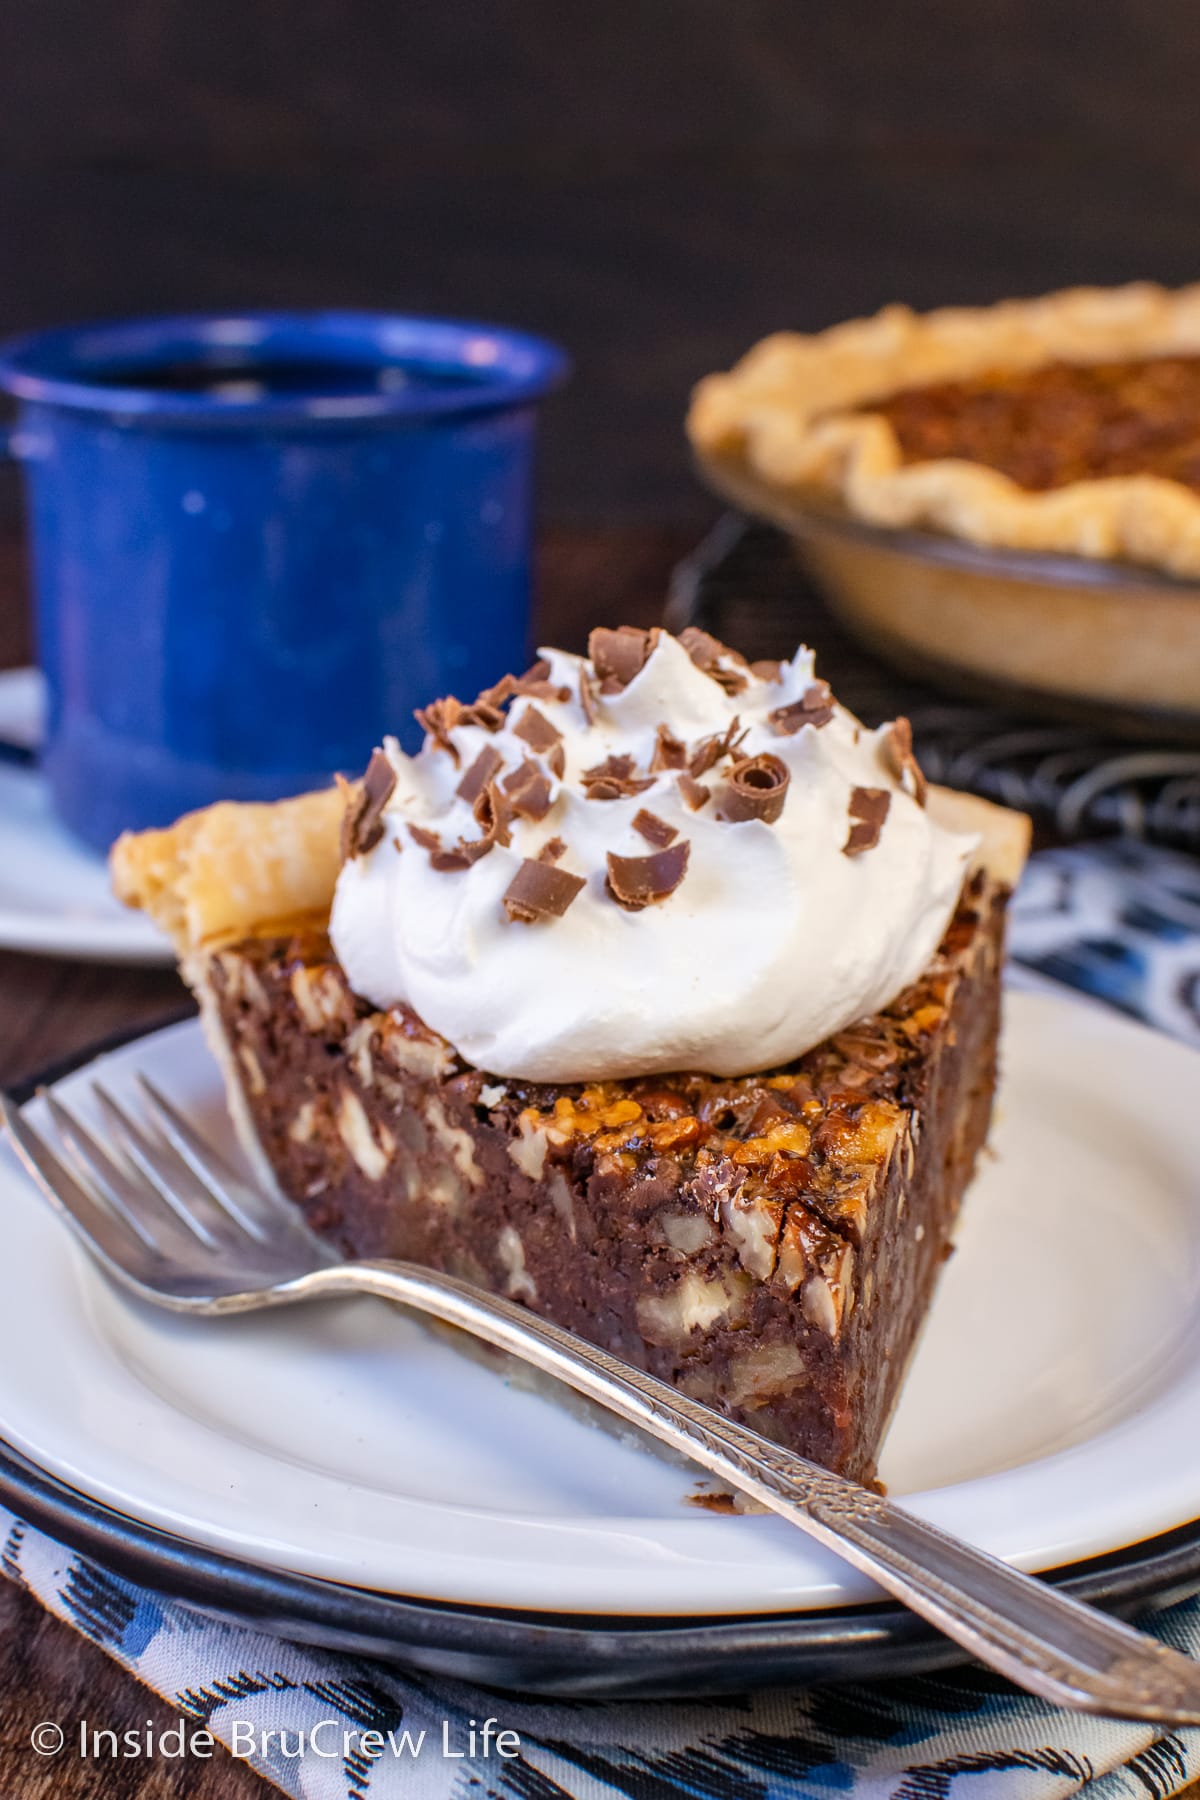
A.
pixel 54 892
pixel 1051 1414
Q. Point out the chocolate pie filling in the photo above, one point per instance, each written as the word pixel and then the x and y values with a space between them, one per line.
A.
pixel 768 1243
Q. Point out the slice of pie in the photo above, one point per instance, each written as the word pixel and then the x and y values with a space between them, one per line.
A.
pixel 1069 423
pixel 655 993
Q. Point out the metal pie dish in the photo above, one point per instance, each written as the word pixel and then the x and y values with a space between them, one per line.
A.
pixel 1070 636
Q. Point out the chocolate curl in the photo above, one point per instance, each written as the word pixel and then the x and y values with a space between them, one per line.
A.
pixel 527 791
pixel 656 831
pixel 481 771
pixel 868 810
pixel 362 822
pixel 756 789
pixel 636 882
pixel 535 729
pixel 539 891
pixel 694 792
pixel 711 656
pixel 491 811
pixel 587 696
pixel 617 656
pixel 670 752
pixel 898 754
pixel 551 850
pixel 614 779
pixel 710 750
pixel 815 707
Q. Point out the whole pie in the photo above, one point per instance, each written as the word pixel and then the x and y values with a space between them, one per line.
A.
pixel 655 992
pixel 1069 423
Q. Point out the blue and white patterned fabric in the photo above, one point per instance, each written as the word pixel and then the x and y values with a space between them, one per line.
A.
pixel 1119 921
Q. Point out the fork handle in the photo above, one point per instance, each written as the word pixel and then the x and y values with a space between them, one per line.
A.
pixel 1036 1635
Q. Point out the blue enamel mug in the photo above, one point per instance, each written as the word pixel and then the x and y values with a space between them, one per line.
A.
pixel 260 540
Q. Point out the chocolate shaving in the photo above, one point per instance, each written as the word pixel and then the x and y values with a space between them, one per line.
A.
pixel 540 891
pixel 756 789
pixel 492 811
pixel 445 861
pixel 587 696
pixel 656 831
pixel 556 759
pixel 537 685
pixel 766 669
pixel 535 729
pixel 815 707
pixel 362 821
pixel 898 754
pixel 551 850
pixel 614 779
pixel 441 717
pixel 711 656
pixel 868 810
pixel 710 750
pixel 481 771
pixel 636 882
pixel 482 712
pixel 497 697
pixel 694 792
pixel 458 858
pixel 438 719
pixel 527 791
pixel 617 656
pixel 670 752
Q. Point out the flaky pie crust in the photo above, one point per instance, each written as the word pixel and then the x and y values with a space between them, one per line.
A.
pixel 777 429
pixel 237 871
pixel 234 870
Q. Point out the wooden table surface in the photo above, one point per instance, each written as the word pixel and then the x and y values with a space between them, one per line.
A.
pixel 50 1010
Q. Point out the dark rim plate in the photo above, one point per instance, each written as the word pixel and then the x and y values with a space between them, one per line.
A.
pixel 567 1655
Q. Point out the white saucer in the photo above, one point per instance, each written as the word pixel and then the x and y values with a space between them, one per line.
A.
pixel 1051 1414
pixel 54 893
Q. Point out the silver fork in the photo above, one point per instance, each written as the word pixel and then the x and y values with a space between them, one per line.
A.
pixel 166 1216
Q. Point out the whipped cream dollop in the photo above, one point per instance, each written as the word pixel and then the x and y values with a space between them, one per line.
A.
pixel 657 859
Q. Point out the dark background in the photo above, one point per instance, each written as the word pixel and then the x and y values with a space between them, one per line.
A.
pixel 655 184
